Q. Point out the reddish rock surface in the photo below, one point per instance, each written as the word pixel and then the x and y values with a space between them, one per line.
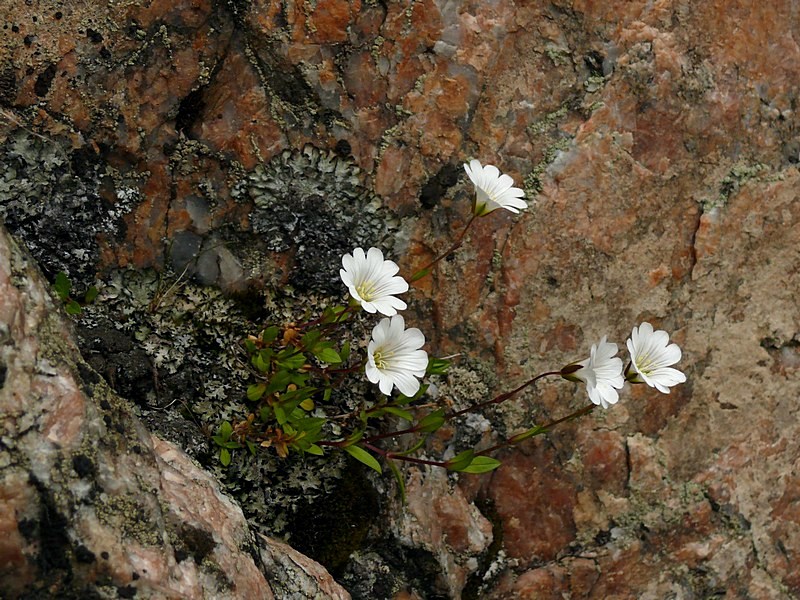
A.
pixel 657 142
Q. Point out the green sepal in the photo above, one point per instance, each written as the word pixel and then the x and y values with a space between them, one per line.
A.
pixel 437 366
pixel 364 457
pixel 403 399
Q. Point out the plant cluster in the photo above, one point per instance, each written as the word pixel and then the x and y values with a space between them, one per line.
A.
pixel 297 367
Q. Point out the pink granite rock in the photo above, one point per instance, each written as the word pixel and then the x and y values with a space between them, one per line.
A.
pixel 92 503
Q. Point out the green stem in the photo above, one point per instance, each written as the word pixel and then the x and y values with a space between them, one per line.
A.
pixel 502 397
pixel 427 268
pixel 544 429
pixel 411 459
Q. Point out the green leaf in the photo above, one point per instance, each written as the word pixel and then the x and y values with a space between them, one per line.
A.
pixel 269 334
pixel 256 391
pixel 278 382
pixel 354 437
pixel 316 450
pixel 250 346
pixel 266 414
pixel 251 447
pixel 73 308
pixel 261 360
pixel 402 399
pixel 528 434
pixel 326 395
pixel 62 286
pixel 290 359
pixel 225 430
pixel 461 460
pixel 399 412
pixel 437 366
pixel 307 404
pixel 363 456
pixel 417 445
pixel 419 275
pixel 401 485
pixel 330 356
pixel 333 314
pixel 482 464
pixel 280 414
pixel 432 421
pixel 225 457
pixel 310 339
pixel 345 351
pixel 91 294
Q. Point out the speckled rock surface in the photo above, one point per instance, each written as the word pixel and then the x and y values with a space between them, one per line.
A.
pixel 659 143
pixel 93 505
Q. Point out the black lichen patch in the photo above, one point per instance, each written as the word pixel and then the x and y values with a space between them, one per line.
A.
pixel 194 542
pixel 190 108
pixel 330 530
pixel 8 86
pixel 44 81
pixel 50 531
pixel 51 202
pixel 314 203
pixel 437 186
pixel 3 371
pixel 82 465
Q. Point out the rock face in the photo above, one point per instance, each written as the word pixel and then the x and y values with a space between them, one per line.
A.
pixel 658 144
pixel 93 505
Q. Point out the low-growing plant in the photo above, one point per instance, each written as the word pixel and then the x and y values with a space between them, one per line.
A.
pixel 63 289
pixel 298 369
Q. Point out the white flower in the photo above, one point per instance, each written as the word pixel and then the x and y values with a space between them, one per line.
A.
pixel 601 372
pixel 372 281
pixel 493 189
pixel 651 357
pixel 394 357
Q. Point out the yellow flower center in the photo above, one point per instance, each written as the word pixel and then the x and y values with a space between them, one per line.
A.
pixel 381 359
pixel 366 289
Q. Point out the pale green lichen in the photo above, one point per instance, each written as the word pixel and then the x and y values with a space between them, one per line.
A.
pixel 316 203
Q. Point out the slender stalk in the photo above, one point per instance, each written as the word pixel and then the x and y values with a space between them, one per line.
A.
pixel 459 240
pixel 411 459
pixel 502 397
pixel 544 429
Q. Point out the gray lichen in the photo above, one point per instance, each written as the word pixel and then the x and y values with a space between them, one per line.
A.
pixel 315 203
pixel 52 201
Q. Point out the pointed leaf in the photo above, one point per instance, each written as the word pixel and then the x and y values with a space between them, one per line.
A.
pixel 62 285
pixel 91 294
pixel 432 421
pixel 73 308
pixel 401 485
pixel 363 456
pixel 482 464
pixel 460 461
pixel 255 391
pixel 225 457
